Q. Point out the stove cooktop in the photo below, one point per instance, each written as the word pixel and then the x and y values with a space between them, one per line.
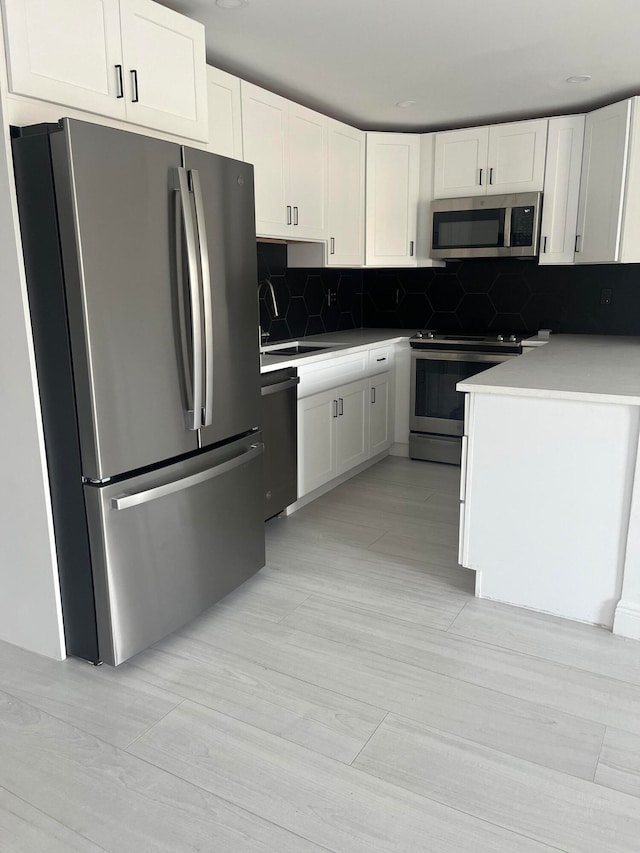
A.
pixel 488 342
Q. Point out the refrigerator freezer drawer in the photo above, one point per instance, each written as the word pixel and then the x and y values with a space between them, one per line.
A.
pixel 168 544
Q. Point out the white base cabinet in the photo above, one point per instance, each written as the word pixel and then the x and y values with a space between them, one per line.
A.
pixel 133 60
pixel 557 541
pixel 333 432
pixel 381 414
pixel 346 414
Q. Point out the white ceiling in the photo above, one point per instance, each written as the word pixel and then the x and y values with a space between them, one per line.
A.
pixel 462 61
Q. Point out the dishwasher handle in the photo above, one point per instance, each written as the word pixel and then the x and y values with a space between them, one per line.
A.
pixel 280 386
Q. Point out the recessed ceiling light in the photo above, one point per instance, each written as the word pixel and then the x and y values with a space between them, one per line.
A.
pixel 404 104
pixel 231 4
pixel 579 78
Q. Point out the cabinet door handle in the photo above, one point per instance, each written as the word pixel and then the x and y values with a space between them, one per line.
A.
pixel 578 243
pixel 340 406
pixel 136 92
pixel 288 214
pixel 491 175
pixel 411 248
pixel 480 181
pixel 373 395
pixel 332 249
pixel 295 215
pixel 544 246
pixel 119 81
pixel 335 408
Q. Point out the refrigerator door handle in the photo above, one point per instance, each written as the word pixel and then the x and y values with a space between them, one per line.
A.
pixel 126 501
pixel 194 415
pixel 207 415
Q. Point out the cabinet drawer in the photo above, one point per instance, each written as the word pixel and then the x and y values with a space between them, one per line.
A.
pixel 323 375
pixel 380 359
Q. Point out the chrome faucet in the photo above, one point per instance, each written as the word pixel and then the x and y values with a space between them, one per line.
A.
pixel 266 281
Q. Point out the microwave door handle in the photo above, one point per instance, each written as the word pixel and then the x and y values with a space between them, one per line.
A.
pixel 194 375
pixel 507 226
pixel 203 246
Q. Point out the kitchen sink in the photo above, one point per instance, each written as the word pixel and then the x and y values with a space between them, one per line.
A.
pixel 296 349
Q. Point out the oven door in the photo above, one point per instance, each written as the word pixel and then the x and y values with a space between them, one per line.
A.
pixel 436 406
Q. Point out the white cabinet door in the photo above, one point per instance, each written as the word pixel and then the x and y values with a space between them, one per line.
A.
pixel 225 118
pixel 317 417
pixel 460 166
pixel 352 445
pixel 604 166
pixel 392 181
pixel 516 157
pixel 307 187
pixel 380 432
pixel 561 189
pixel 345 195
pixel 264 135
pixel 165 69
pixel 68 52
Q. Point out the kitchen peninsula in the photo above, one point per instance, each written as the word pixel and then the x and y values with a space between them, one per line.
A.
pixel 550 487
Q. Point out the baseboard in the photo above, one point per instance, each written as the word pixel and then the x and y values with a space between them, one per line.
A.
pixel 626 621
pixel 399 449
pixel 327 487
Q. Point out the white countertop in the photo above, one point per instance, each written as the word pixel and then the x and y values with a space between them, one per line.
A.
pixel 595 368
pixel 352 340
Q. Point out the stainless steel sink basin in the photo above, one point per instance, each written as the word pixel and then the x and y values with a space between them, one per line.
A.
pixel 296 349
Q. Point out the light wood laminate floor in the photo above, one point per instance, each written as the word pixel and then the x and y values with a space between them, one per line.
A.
pixel 352 696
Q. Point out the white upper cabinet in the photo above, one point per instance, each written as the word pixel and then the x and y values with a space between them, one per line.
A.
pixel 561 190
pixel 287 145
pixel 501 158
pixel 345 195
pixel 164 57
pixel 516 157
pixel 461 163
pixel 129 59
pixel 393 177
pixel 225 117
pixel 264 139
pixel 68 52
pixel 602 188
pixel 307 172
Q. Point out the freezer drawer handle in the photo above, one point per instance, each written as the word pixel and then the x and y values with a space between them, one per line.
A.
pixel 126 501
pixel 201 229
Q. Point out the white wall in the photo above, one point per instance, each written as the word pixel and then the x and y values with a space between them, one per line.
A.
pixel 30 613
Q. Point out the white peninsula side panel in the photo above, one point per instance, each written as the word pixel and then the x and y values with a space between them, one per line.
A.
pixel 546 502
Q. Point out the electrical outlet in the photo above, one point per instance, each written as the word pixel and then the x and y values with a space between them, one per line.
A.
pixel 606 296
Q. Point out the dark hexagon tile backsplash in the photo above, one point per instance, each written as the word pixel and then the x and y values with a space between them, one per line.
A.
pixel 475 295
pixel 303 297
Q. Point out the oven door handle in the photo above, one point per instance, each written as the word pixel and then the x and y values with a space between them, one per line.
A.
pixel 461 355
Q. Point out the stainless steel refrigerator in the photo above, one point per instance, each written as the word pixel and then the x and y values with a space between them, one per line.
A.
pixel 141 270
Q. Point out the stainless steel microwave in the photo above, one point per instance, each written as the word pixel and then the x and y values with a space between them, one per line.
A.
pixel 488 226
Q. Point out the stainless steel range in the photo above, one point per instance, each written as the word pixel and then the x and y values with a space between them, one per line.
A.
pixel 438 362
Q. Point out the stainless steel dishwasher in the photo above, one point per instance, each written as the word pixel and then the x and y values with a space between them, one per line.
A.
pixel 280 437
